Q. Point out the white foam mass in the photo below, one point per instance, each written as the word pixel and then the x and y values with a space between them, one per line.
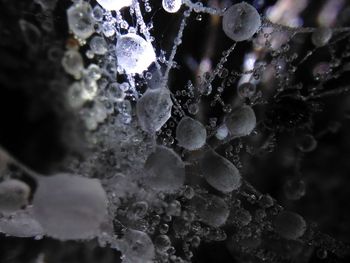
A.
pixel 241 21
pixel 134 53
pixel 114 5
pixel 154 109
pixel 70 207
pixel 219 172
pixel 191 134
pixel 165 170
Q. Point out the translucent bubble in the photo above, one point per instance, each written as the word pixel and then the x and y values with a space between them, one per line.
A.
pixel 172 6
pixel 165 170
pixel 241 21
pixel 137 247
pixel 241 122
pixel 246 90
pixel 114 4
pixel 154 109
pixel 134 54
pixel 212 210
pixel 14 195
pixel 31 34
pixel 80 20
pixel 289 225
pixel 191 134
pixel 219 172
pixel 69 206
pixel 72 63
pixel 98 45
pixel 321 36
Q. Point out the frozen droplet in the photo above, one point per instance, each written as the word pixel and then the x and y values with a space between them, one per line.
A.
pixel 72 63
pixel 193 108
pixel 134 54
pixel 246 90
pixel 116 92
pixel 14 195
pixel 108 29
pixel 125 110
pixel 241 122
pixel 321 36
pixel 93 72
pixel 97 13
pixel 137 247
pixel 219 172
pixel 241 21
pixel 138 210
pixel 98 45
pixel 162 243
pixel 21 224
pixel 80 19
pixel 165 171
pixel 173 208
pixel 191 134
pixel 95 115
pixel 153 109
pixel 221 132
pixel 289 225
pixel 69 206
pixel 171 6
pixel 76 95
pixel 114 5
pixel 242 217
pixel 211 210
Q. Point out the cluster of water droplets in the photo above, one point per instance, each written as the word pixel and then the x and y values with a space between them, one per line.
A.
pixel 157 184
